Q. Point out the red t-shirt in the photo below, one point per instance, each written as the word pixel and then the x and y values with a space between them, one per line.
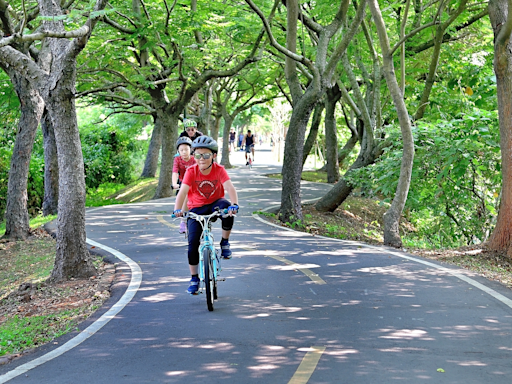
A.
pixel 205 189
pixel 180 166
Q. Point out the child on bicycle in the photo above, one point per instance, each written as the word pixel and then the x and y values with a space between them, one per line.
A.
pixel 204 185
pixel 180 165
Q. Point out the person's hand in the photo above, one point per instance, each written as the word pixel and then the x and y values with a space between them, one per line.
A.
pixel 233 209
pixel 176 186
pixel 178 213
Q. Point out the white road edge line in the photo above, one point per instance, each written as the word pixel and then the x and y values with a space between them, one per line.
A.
pixel 94 327
pixel 454 272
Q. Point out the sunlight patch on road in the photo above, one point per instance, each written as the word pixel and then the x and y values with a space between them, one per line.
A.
pixel 159 297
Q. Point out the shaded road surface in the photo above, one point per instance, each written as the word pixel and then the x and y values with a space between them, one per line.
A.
pixel 293 309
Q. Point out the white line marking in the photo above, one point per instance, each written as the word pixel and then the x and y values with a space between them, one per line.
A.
pixel 458 273
pixel 94 327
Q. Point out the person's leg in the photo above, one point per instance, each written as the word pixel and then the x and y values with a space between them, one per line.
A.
pixel 194 237
pixel 227 225
pixel 252 151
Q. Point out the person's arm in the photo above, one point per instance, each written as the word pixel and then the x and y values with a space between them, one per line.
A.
pixel 230 189
pixel 180 199
pixel 174 182
pixel 243 141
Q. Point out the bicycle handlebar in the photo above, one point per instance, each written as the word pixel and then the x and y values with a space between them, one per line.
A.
pixel 193 215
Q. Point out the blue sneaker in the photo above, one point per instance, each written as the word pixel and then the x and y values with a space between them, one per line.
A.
pixel 194 285
pixel 226 252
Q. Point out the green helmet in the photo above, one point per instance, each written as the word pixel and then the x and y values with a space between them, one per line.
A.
pixel 189 123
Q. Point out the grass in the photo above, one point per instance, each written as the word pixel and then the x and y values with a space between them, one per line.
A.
pixel 20 333
pixel 110 193
pixel 30 260
pixel 314 176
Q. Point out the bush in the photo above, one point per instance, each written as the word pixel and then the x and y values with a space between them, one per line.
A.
pixel 455 186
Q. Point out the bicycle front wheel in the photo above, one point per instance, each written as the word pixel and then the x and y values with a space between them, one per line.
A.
pixel 209 279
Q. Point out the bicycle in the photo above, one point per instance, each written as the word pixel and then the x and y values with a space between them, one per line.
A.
pixel 209 256
pixel 249 157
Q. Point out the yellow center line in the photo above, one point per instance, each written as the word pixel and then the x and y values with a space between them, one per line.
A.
pixel 307 366
pixel 163 221
pixel 313 276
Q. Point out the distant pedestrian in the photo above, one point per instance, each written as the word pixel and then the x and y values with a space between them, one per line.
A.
pixel 240 140
pixel 232 138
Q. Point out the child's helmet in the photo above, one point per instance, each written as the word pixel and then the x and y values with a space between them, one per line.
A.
pixel 189 123
pixel 183 140
pixel 206 142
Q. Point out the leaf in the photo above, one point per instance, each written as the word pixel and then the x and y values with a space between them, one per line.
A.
pixel 468 91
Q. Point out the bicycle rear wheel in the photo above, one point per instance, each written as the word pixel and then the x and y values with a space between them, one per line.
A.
pixel 209 279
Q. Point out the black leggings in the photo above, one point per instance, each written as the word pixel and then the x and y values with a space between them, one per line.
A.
pixel 195 230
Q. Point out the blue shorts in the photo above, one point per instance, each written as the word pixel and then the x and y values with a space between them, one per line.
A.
pixel 248 148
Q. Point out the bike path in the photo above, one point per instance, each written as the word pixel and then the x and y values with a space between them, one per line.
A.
pixel 294 308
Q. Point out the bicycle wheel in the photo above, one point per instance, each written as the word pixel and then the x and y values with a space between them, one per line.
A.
pixel 209 280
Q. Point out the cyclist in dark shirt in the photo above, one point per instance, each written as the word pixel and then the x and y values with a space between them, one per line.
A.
pixel 249 141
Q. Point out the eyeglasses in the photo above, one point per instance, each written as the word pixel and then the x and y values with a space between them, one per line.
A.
pixel 190 129
pixel 205 156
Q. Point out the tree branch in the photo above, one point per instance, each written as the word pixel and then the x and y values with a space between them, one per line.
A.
pixel 18 38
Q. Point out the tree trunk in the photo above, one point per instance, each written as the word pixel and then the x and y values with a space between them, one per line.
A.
pixel 331 139
pixel 31 103
pixel 72 257
pixel 501 237
pixel 169 124
pixel 228 122
pixel 393 214
pixel 347 149
pixel 313 131
pixel 51 167
pixel 291 209
pixel 342 189
pixel 151 164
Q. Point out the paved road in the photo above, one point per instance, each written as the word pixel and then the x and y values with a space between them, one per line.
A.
pixel 293 309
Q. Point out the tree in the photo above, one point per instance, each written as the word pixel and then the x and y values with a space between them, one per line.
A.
pixel 500 13
pixel 238 94
pixel 56 85
pixel 31 107
pixel 319 73
pixel 392 215
pixel 161 68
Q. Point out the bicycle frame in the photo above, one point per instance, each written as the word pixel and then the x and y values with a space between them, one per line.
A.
pixel 209 259
pixel 207 241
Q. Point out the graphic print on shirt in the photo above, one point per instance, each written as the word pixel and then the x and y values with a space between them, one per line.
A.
pixel 206 187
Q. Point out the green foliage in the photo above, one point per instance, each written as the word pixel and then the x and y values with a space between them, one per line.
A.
pixel 456 178
pixel 109 148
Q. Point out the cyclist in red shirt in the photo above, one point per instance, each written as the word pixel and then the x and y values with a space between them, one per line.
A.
pixel 180 165
pixel 204 185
